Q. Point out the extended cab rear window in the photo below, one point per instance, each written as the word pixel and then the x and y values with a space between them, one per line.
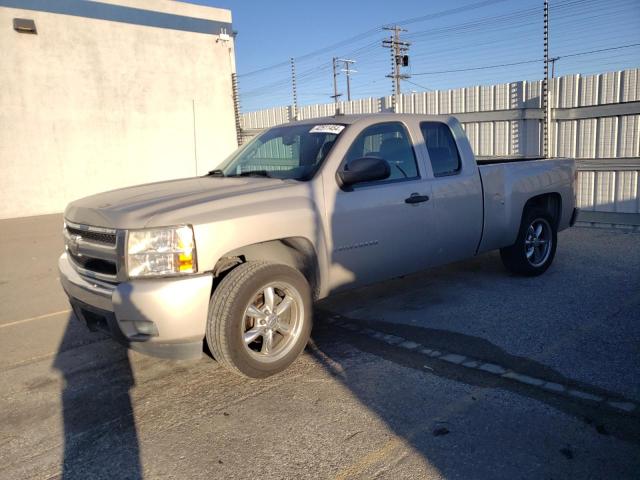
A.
pixel 442 148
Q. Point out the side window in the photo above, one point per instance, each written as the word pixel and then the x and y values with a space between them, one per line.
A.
pixel 390 142
pixel 443 151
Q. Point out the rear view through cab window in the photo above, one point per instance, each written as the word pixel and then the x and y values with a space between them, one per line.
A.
pixel 390 142
pixel 442 148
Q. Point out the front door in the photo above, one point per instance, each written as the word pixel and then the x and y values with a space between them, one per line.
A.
pixel 381 229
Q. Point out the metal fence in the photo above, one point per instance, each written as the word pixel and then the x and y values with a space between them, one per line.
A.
pixel 595 119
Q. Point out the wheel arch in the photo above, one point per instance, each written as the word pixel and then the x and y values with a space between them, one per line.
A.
pixel 295 252
pixel 550 202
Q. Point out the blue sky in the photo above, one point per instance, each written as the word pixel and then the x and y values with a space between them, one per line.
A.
pixel 483 35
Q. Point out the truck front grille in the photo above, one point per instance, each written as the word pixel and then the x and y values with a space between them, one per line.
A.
pixel 94 251
pixel 99 237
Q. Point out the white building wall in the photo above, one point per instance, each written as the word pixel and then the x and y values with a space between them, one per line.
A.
pixel 90 104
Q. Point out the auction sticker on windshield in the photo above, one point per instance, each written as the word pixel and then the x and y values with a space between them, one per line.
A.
pixel 328 128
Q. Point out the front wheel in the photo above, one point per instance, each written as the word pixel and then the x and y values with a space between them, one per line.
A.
pixel 535 246
pixel 259 319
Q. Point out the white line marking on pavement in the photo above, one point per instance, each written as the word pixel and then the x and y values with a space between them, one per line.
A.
pixel 39 317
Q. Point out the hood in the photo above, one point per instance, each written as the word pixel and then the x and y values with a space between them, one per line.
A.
pixel 135 207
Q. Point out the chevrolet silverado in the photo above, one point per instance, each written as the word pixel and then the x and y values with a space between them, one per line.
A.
pixel 236 258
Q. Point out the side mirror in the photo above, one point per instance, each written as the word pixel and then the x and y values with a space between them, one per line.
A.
pixel 365 169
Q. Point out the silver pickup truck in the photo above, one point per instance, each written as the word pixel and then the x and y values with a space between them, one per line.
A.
pixel 306 209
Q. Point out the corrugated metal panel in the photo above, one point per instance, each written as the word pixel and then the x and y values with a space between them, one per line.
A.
pixel 444 101
pixel 502 140
pixel 471 99
pixel 532 138
pixel 432 103
pixel 606 137
pixel 532 94
pixel 588 91
pixel 472 134
pixel 458 100
pixel 629 136
pixel 568 89
pixel 486 97
pixel 485 146
pixel 516 94
pixel 502 97
pixel 587 138
pixel 420 102
pixel 609 87
pixel 626 193
pixel 585 190
pixel 517 138
pixel 565 145
pixel 630 85
pixel 605 191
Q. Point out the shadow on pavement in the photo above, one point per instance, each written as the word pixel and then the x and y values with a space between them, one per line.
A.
pixel 485 438
pixel 100 437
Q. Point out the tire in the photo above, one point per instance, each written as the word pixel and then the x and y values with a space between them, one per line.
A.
pixel 258 342
pixel 529 256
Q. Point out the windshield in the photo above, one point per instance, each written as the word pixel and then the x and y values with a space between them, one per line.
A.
pixel 287 152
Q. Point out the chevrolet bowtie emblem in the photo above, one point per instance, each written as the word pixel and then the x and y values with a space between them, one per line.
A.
pixel 74 245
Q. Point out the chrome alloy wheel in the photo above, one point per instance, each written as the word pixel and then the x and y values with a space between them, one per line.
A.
pixel 273 321
pixel 538 242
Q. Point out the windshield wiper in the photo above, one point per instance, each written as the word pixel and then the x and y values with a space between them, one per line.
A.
pixel 253 173
pixel 216 173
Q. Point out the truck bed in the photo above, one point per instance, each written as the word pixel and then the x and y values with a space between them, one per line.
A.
pixel 508 184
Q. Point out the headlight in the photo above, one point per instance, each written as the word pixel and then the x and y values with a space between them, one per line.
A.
pixel 161 251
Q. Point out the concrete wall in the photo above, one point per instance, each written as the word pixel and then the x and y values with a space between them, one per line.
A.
pixel 92 104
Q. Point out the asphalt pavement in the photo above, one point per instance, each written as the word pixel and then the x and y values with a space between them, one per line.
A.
pixel 460 372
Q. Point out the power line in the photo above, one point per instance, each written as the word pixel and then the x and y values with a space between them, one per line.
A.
pixel 600 50
pixel 373 31
pixel 485 67
pixel 437 44
pixel 450 11
pixel 418 85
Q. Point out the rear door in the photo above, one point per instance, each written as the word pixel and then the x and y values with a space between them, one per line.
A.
pixel 378 229
pixel 456 194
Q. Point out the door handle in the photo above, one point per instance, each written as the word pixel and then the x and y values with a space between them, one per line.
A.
pixel 416 198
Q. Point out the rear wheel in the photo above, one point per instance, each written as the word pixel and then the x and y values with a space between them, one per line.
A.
pixel 535 247
pixel 259 319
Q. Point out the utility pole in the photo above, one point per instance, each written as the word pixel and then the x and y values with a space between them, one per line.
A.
pixel 399 59
pixel 347 70
pixel 294 90
pixel 553 66
pixel 335 95
pixel 545 85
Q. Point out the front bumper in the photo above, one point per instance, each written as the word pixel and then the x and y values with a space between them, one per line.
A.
pixel 163 317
